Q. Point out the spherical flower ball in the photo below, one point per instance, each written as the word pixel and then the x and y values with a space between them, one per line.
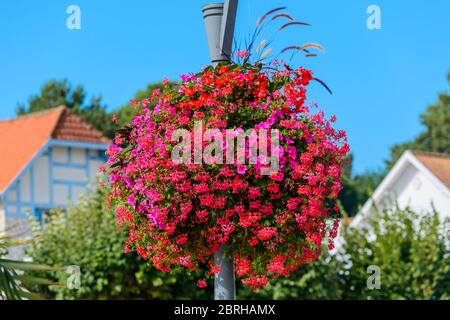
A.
pixel 183 185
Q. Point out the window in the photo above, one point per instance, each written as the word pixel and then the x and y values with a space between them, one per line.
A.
pixel 43 215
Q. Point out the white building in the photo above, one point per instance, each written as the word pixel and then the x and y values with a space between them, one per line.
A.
pixel 418 180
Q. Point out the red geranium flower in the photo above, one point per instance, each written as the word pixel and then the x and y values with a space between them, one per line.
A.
pixel 178 214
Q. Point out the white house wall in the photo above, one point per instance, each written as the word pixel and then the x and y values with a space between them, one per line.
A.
pixel 57 176
pixel 413 189
pixel 419 192
pixel 42 181
pixel 409 184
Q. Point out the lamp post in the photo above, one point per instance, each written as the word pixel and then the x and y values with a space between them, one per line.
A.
pixel 219 23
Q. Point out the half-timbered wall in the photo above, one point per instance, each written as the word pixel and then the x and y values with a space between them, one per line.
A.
pixel 59 175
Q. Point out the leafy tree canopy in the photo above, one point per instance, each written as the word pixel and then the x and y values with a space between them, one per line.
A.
pixel 435 137
pixel 125 113
pixel 356 189
pixel 60 92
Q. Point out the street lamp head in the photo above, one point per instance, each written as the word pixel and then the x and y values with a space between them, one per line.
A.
pixel 212 15
pixel 219 23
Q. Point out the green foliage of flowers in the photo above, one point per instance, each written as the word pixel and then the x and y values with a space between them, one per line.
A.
pixel 87 236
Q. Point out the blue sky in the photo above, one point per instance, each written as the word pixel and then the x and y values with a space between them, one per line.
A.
pixel 382 79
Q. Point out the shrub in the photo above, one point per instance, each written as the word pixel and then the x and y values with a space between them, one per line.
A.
pixel 411 251
pixel 87 235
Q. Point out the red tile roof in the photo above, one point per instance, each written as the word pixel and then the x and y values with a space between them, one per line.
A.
pixel 72 127
pixel 23 137
pixel 437 163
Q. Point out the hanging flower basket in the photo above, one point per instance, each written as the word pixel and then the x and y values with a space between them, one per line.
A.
pixel 179 207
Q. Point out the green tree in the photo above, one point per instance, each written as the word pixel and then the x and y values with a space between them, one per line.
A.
pixel 54 93
pixel 125 113
pixel 409 250
pixel 59 92
pixel 356 189
pixel 88 236
pixel 435 137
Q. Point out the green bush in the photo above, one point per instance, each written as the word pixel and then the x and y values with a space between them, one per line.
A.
pixel 87 236
pixel 410 250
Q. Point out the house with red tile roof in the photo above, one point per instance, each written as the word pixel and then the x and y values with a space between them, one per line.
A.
pixel 47 160
pixel 418 180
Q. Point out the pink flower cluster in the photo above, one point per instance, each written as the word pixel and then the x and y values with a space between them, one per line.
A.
pixel 180 214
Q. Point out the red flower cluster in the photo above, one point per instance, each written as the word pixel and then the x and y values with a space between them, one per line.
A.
pixel 201 283
pixel 178 214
